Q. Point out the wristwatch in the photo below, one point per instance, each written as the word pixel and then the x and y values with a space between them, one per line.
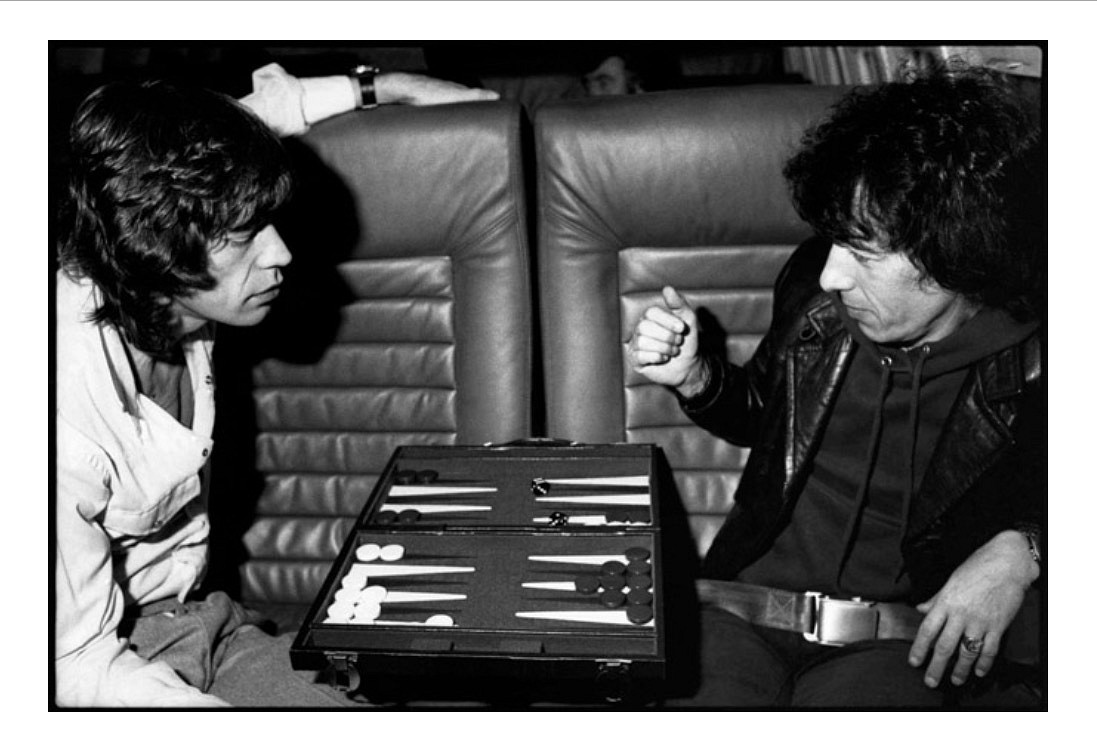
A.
pixel 365 94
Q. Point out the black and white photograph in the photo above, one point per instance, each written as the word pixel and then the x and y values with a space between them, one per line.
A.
pixel 669 377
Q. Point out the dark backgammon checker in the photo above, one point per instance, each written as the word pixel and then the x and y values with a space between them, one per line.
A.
pixel 502 573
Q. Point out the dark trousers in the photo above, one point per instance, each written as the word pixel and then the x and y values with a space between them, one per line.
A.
pixel 744 666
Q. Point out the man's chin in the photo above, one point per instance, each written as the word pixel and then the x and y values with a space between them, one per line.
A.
pixel 249 319
pixel 882 337
pixel 869 332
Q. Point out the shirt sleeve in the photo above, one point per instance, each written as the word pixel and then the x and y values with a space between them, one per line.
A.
pixel 93 666
pixel 289 105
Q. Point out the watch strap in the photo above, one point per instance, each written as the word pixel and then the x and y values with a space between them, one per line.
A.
pixel 365 93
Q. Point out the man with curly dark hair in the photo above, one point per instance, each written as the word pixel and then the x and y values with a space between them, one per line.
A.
pixel 887 529
pixel 168 230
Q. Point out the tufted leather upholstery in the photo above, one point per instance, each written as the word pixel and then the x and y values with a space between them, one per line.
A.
pixel 406 319
pixel 680 188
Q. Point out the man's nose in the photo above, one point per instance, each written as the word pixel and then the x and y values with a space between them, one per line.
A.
pixel 836 275
pixel 274 253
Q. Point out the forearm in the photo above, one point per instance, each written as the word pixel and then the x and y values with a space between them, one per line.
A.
pixel 393 88
pixel 327 97
pixel 93 665
pixel 724 401
pixel 333 95
pixel 106 673
pixel 290 105
pixel 698 381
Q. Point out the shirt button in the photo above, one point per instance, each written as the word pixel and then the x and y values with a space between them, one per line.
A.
pixel 205 452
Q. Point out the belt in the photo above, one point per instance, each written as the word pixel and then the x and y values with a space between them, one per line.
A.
pixel 164 605
pixel 820 618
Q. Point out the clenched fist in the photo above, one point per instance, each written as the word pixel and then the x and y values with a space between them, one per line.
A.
pixel 664 344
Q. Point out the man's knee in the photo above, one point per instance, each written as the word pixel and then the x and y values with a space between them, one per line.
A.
pixel 874 674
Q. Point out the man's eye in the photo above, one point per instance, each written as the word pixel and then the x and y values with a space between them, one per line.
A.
pixel 234 243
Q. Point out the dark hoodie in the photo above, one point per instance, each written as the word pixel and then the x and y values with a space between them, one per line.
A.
pixel 844 534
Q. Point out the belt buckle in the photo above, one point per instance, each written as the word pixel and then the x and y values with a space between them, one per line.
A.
pixel 840 621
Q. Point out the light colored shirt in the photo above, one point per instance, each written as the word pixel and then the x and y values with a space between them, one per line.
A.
pixel 288 105
pixel 130 509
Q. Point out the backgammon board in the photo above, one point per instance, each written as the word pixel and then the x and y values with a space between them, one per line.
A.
pixel 524 566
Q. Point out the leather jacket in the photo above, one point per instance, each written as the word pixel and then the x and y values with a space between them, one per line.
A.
pixel 988 471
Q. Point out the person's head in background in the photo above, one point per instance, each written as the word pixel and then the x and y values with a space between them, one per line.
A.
pixel 627 69
pixel 612 77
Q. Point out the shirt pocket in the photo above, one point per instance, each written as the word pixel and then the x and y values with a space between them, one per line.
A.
pixel 136 513
pixel 160 476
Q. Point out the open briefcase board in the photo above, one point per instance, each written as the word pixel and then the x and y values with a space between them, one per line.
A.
pixel 498 573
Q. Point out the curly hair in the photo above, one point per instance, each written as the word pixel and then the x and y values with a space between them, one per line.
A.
pixel 942 166
pixel 159 175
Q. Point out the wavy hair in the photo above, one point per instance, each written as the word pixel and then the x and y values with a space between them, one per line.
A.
pixel 159 175
pixel 942 166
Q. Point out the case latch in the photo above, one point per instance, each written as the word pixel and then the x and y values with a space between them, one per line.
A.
pixel 612 679
pixel 345 671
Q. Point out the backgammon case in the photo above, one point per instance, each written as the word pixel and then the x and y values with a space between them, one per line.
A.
pixel 508 573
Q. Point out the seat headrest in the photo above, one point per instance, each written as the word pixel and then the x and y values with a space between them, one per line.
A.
pixel 678 168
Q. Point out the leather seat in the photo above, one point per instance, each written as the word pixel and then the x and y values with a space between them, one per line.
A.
pixel 405 319
pixel 681 188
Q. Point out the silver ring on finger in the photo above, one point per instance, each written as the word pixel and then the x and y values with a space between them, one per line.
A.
pixel 973 645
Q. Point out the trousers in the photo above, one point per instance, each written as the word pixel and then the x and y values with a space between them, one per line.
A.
pixel 741 665
pixel 217 646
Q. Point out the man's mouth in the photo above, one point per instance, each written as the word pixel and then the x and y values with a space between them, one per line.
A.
pixel 852 308
pixel 268 293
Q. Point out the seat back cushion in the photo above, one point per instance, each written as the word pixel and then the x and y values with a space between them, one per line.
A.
pixel 681 188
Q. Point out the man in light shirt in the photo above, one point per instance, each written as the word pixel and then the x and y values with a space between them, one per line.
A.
pixel 166 230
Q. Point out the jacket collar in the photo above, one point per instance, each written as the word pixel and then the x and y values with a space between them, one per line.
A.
pixel 823 316
pixel 986 405
pixel 977 430
pixel 819 361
